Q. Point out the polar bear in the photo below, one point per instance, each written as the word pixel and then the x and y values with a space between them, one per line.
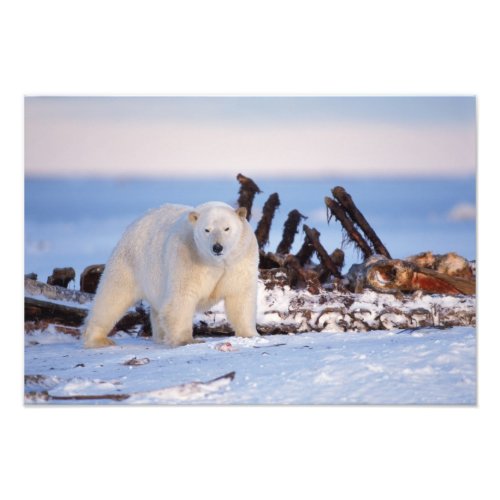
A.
pixel 181 260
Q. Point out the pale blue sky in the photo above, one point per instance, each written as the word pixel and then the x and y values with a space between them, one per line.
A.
pixel 300 136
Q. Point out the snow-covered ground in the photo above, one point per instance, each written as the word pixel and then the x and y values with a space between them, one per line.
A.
pixel 423 366
pixel 77 222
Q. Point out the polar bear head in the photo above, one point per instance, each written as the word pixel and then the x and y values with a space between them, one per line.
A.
pixel 218 230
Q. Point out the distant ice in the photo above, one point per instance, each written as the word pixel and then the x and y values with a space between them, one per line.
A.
pixel 462 212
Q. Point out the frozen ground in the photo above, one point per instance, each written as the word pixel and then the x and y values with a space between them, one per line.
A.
pixel 78 222
pixel 423 366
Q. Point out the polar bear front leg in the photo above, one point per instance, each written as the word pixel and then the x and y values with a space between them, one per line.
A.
pixel 176 320
pixel 241 311
pixel 158 332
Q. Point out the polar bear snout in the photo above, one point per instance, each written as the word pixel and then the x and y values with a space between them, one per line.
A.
pixel 217 249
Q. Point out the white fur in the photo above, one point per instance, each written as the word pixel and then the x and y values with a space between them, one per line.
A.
pixel 167 258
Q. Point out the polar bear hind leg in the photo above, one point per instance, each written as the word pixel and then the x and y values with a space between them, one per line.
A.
pixel 115 294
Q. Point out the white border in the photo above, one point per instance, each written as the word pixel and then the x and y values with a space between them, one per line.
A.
pixel 274 48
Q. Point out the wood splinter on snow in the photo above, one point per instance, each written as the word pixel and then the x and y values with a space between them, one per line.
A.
pixel 136 361
pixel 188 390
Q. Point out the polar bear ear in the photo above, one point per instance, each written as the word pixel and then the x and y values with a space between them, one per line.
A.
pixel 193 217
pixel 242 212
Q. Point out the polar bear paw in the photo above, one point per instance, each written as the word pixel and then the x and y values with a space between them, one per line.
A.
pixel 248 334
pixel 187 342
pixel 98 342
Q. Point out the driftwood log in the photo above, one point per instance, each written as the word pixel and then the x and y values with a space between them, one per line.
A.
pixel 290 229
pixel 40 311
pixel 298 276
pixel 247 192
pixel 270 260
pixel 345 200
pixel 264 225
pixel 89 279
pixel 306 251
pixel 312 309
pixel 323 256
pixel 352 233
pixel 61 276
pixel 337 258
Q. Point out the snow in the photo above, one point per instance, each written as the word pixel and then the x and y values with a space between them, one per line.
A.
pixel 348 350
pixel 423 366
pixel 341 355
pixel 367 348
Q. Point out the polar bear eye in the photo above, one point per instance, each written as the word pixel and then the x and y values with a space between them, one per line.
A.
pixel 227 229
pixel 207 230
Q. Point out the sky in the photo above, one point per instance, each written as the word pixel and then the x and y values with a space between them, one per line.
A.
pixel 259 136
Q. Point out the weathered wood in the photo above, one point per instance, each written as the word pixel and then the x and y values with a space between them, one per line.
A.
pixel 345 200
pixel 353 234
pixel 298 276
pixel 337 257
pixel 270 260
pixel 88 397
pixel 37 310
pixel 46 396
pixel 247 192
pixel 133 319
pixel 89 279
pixel 61 276
pixel 290 229
pixel 323 256
pixel 306 251
pixel 53 292
pixel 264 225
pixel 313 312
